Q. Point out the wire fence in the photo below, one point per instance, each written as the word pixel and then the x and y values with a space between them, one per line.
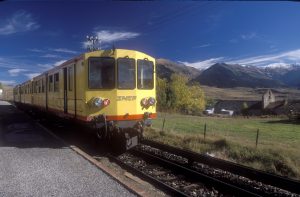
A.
pixel 250 131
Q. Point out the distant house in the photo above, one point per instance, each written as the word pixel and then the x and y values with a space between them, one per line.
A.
pixel 268 105
pixel 267 99
pixel 227 112
pixel 209 111
pixel 233 105
pixel 1 92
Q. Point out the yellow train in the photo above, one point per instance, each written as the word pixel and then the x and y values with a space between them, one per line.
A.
pixel 112 91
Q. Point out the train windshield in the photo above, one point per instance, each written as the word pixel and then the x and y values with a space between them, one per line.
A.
pixel 145 70
pixel 126 73
pixel 101 73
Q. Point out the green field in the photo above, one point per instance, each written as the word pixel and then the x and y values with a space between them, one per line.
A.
pixel 277 151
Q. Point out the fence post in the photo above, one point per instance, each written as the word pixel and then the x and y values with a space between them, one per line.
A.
pixel 204 131
pixel 163 126
pixel 257 133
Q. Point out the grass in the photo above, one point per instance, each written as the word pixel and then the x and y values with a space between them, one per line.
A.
pixel 235 139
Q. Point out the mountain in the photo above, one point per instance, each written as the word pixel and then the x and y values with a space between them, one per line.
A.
pixel 165 68
pixel 233 75
pixel 224 75
pixel 287 74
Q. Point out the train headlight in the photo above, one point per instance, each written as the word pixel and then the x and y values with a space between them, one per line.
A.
pixel 144 102
pixel 106 102
pixel 98 102
pixel 151 101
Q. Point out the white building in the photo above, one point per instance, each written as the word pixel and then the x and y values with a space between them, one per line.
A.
pixel 227 112
pixel 209 111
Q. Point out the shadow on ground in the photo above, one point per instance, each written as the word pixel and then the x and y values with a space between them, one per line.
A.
pixel 17 129
pixel 286 121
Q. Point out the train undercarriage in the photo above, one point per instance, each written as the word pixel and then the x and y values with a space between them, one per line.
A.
pixel 121 135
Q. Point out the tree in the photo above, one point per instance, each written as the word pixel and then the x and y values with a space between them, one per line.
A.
pixel 197 100
pixel 179 94
pixel 210 102
pixel 1 87
pixel 184 98
pixel 161 93
pixel 245 109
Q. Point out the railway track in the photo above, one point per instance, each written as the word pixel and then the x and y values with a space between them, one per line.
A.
pixel 175 179
pixel 184 173
pixel 254 181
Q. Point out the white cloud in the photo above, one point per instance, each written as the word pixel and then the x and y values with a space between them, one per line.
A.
pixel 36 50
pixel 59 62
pixel 249 36
pixel 287 57
pixel 50 56
pixel 20 21
pixel 278 65
pixel 16 71
pixel 202 46
pixel 45 66
pixel 85 44
pixel 50 65
pixel 31 75
pixel 202 65
pixel 8 63
pixel 106 36
pixel 8 82
pixel 271 60
pixel 63 50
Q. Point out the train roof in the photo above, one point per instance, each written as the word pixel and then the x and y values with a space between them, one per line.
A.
pixel 109 52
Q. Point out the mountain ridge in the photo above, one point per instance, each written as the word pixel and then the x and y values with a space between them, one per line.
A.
pixel 225 75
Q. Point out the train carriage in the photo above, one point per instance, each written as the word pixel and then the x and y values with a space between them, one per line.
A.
pixel 112 91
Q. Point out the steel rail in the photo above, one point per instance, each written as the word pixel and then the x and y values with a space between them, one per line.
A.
pixel 251 173
pixel 194 175
pixel 163 186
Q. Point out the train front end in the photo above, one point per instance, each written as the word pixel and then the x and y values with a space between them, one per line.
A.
pixel 121 95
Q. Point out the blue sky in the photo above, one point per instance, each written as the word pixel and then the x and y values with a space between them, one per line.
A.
pixel 35 36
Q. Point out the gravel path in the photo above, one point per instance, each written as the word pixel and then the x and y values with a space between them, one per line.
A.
pixel 33 163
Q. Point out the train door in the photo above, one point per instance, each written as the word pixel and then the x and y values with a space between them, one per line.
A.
pixel 65 81
pixel 71 90
pixel 46 90
pixel 20 93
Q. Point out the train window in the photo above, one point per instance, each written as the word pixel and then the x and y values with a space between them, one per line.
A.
pixel 101 73
pixel 36 87
pixel 50 83
pixel 56 82
pixel 70 76
pixel 126 73
pixel 145 71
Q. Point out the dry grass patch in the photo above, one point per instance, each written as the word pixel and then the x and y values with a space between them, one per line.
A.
pixel 270 160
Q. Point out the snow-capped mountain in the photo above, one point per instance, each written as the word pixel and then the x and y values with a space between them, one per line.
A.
pixel 235 75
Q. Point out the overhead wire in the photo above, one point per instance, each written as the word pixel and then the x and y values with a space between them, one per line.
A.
pixel 168 17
